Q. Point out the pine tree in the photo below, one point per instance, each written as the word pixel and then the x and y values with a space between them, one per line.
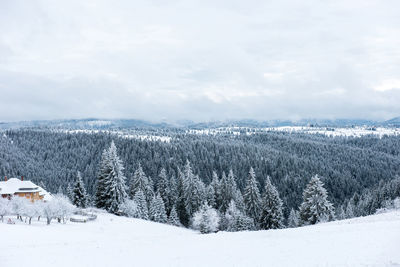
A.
pixel 104 172
pixel 141 182
pixel 214 191
pixel 180 200
pixel 115 188
pixel 293 220
pixel 271 209
pixel 163 188
pixel 142 209
pixel 79 196
pixel 252 197
pixel 157 210
pixel 173 218
pixel 193 190
pixel 228 190
pixel 340 214
pixel 69 192
pixel 234 220
pixel 206 220
pixel 316 206
pixel 349 210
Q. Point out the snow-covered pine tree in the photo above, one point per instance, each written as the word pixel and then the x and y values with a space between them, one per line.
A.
pixel 316 206
pixel 157 210
pixel 193 190
pixel 115 188
pixel 129 208
pixel 214 191
pixel 228 190
pixel 141 182
pixel 180 200
pixel 206 220
pixel 79 196
pixel 142 209
pixel 104 172
pixel 239 201
pixel 252 196
pixel 340 214
pixel 293 219
pixel 271 208
pixel 173 218
pixel 163 189
pixel 69 192
pixel 349 210
pixel 172 193
pixel 234 220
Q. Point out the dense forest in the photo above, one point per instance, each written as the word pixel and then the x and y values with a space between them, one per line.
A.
pixel 346 165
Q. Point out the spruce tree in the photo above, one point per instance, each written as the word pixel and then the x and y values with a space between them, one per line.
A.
pixel 163 188
pixel 271 208
pixel 349 210
pixel 316 206
pixel 173 218
pixel 193 190
pixel 252 197
pixel 157 210
pixel 228 190
pixel 180 200
pixel 79 196
pixel 141 182
pixel 104 172
pixel 142 209
pixel 115 188
pixel 293 220
pixel 215 191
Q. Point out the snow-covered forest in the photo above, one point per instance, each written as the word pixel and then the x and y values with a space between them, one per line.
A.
pixel 225 181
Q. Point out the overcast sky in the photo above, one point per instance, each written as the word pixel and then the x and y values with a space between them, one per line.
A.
pixel 199 60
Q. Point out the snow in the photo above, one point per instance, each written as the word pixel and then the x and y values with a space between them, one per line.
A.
pixel 120 241
pixel 122 134
pixel 15 185
pixel 328 131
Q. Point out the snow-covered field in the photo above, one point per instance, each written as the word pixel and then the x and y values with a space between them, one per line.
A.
pixel 328 131
pixel 120 241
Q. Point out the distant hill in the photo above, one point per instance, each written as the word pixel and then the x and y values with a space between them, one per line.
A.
pixel 96 123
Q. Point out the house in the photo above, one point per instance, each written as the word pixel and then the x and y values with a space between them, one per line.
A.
pixel 19 187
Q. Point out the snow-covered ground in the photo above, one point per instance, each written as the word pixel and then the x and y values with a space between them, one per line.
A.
pixel 120 241
pixel 328 131
pixel 122 134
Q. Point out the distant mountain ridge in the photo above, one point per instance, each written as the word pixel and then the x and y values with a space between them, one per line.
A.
pixel 96 123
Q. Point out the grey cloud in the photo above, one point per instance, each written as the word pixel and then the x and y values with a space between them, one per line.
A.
pixel 198 60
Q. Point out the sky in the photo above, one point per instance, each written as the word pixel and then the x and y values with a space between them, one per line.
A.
pixel 199 60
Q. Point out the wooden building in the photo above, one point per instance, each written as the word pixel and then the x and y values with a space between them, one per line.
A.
pixel 18 187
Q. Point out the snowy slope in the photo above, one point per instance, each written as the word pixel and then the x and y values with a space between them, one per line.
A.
pixel 119 241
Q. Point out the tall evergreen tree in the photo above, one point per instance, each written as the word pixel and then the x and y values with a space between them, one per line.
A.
pixel 142 209
pixel 215 191
pixel 104 172
pixel 293 220
pixel 316 206
pixel 251 197
pixel 163 188
pixel 180 201
pixel 141 182
pixel 115 188
pixel 193 190
pixel 79 196
pixel 173 218
pixel 228 190
pixel 271 209
pixel 157 210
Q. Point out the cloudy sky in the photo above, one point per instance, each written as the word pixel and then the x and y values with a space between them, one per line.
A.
pixel 199 60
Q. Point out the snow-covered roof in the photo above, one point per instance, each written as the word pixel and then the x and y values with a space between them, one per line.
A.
pixel 46 195
pixel 15 185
